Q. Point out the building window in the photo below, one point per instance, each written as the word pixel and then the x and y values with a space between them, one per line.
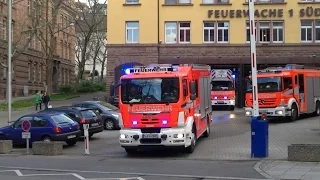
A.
pixel 208 32
pixel 266 1
pixel 39 45
pixel 184 32
pixel 40 72
pixel 29 71
pixel 34 42
pixel 177 2
pixel 4 70
pixel 132 1
pixel 132 32
pixel 310 0
pixel 249 32
pixel 277 31
pixel 29 7
pixel 264 32
pixel 171 32
pixel 215 1
pixel 317 29
pixel 62 50
pixel 4 29
pixel 34 71
pixel 306 31
pixel 223 32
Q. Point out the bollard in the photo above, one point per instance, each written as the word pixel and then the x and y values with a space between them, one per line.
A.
pixel 259 137
pixel 86 138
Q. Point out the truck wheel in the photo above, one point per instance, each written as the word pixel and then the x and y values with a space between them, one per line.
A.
pixel 317 112
pixel 207 133
pixel 294 113
pixel 232 108
pixel 191 148
pixel 131 150
pixel 71 142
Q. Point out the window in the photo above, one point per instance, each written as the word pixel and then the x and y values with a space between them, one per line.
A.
pixel 287 83
pixel 62 49
pixel 39 45
pixel 132 32
pixel 34 71
pixel 177 1
pixel 4 69
pixel 215 1
pixel 208 32
pixel 310 0
pixel 40 72
pixel 248 31
pixel 34 42
pixel 266 1
pixel 29 71
pixel 171 32
pixel 277 31
pixel 29 7
pixel 4 29
pixel 38 122
pixel 306 31
pixel 132 1
pixel 184 32
pixel 223 32
pixel 69 49
pixel 317 29
pixel 264 31
pixel 18 123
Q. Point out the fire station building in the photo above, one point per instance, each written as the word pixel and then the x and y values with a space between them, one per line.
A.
pixel 214 32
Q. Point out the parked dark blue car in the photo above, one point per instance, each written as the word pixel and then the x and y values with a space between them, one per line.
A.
pixel 44 127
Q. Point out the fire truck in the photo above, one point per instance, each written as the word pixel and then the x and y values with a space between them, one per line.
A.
pixel 286 92
pixel 222 90
pixel 164 105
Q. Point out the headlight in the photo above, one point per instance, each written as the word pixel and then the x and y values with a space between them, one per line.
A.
pixel 178 136
pixel 232 101
pixel 123 136
pixel 279 112
pixel 115 115
pixel 248 113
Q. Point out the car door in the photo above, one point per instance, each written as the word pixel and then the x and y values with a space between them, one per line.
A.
pixel 15 133
pixel 94 107
pixel 39 128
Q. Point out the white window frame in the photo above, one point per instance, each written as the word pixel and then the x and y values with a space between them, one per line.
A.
pixel 209 29
pixel 277 28
pixel 306 27
pixel 223 28
pixel 132 30
pixel 29 71
pixel 184 29
pixel 248 28
pixel 132 1
pixel 4 29
pixel 40 72
pixel 265 28
pixel 34 72
pixel 215 1
pixel 34 42
pixel 171 29
pixel 315 30
pixel 5 71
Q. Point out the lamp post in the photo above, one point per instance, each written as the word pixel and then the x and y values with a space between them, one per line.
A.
pixel 9 80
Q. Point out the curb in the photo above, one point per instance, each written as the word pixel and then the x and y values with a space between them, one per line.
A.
pixel 259 168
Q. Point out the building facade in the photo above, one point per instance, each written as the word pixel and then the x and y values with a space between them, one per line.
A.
pixel 214 32
pixel 29 47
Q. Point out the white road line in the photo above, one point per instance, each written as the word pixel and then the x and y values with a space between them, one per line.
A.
pixel 128 173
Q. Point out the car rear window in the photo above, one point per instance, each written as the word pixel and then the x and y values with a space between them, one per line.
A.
pixel 61 119
pixel 88 114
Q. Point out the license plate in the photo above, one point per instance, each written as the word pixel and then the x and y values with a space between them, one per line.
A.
pixel 71 136
pixel 220 102
pixel 95 124
pixel 149 136
pixel 263 111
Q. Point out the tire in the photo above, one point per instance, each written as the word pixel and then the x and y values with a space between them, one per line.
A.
pixel 317 112
pixel 71 142
pixel 294 113
pixel 109 124
pixel 232 108
pixel 192 147
pixel 46 139
pixel 131 150
pixel 207 133
pixel 2 137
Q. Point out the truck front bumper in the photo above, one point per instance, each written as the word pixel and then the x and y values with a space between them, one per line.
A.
pixel 223 102
pixel 170 137
pixel 282 111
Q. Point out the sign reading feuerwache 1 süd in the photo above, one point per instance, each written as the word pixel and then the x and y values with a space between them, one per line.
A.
pixel 264 13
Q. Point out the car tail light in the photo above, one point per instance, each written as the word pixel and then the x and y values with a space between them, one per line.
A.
pixel 57 129
pixel 78 126
pixel 83 121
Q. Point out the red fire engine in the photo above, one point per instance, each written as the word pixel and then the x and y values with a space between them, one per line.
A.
pixel 222 91
pixel 164 105
pixel 286 92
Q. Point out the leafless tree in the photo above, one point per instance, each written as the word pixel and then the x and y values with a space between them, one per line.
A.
pixel 89 27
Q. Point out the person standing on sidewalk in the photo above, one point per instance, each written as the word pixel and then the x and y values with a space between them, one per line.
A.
pixel 46 100
pixel 38 100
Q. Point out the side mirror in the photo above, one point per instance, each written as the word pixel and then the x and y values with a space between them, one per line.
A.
pixel 193 90
pixel 112 90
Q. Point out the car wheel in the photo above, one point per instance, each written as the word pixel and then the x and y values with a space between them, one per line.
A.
pixel 2 137
pixel 71 142
pixel 207 133
pixel 191 148
pixel 109 124
pixel 46 139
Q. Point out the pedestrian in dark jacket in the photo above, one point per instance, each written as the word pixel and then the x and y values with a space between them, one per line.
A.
pixel 46 100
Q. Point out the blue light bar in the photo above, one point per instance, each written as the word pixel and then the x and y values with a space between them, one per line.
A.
pixel 127 71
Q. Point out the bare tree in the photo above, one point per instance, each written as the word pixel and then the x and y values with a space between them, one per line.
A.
pixel 91 22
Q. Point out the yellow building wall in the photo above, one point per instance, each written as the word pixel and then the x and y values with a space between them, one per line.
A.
pixel 146 14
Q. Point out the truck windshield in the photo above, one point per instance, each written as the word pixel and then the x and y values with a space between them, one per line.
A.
pixel 150 90
pixel 267 84
pixel 221 85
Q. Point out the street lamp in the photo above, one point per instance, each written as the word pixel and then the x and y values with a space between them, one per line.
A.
pixel 9 85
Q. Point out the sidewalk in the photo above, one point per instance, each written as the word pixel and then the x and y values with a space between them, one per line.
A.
pixel 285 170
pixel 18 98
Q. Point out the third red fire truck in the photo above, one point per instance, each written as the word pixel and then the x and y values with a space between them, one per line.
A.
pixel 164 105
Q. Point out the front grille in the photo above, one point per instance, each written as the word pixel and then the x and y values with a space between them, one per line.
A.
pixel 150 130
pixel 150 141
pixel 151 119
pixel 266 102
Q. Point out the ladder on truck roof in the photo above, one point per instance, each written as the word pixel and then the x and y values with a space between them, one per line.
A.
pixel 223 74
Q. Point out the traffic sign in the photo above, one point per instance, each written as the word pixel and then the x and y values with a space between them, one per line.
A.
pixel 26 125
pixel 26 135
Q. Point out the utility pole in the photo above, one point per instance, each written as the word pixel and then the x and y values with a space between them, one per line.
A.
pixel 9 80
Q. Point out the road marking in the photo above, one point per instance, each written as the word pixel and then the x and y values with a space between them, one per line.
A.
pixel 19 173
pixel 128 173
